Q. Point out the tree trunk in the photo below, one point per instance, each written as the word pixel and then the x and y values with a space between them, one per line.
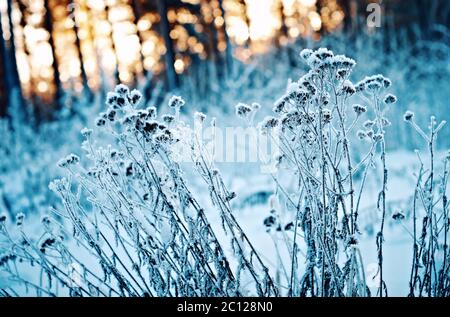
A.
pixel 116 71
pixel 210 29
pixel 171 75
pixel 11 62
pixel 15 81
pixel 229 48
pixel 347 23
pixel 283 28
pixel 137 12
pixel 4 96
pixel 48 24
pixel 84 78
pixel 29 110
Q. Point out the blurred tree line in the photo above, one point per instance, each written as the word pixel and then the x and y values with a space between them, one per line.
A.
pixel 204 28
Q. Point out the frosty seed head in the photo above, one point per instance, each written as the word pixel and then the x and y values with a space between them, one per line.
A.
pixel 359 109
pixel 360 86
pixel 390 98
pixel 308 117
pixel 398 215
pixel 343 63
pixel 352 240
pixel 306 53
pixel 176 102
pixel 348 88
pixel 168 119
pixel 289 226
pixel 111 114
pixel 135 97
pixel 408 116
pixel 270 221
pixel 327 116
pixel 163 138
pixel 46 244
pixel 386 82
pixel 152 113
pixel 291 120
pixel 100 122
pixel 113 154
pixel 377 137
pixel 447 156
pixel 6 257
pixel 19 218
pixel 268 124
pixel 129 120
pixel 361 134
pixel 120 102
pixel 299 96
pixel 58 184
pixel 230 196
pixel 256 106
pixel 280 105
pixel 342 73
pixel 122 90
pixel 142 114
pixel 86 132
pixel 129 171
pixel 323 53
pixel 70 159
pixel 374 83
pixel 45 220
pixel 368 124
pixel 325 99
pixel 373 86
pixel 111 99
pixel 310 87
pixel 162 127
pixel 199 116
pixel 2 218
pixel 139 125
pixel 243 110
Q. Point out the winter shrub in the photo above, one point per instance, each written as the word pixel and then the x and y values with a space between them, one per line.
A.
pixel 133 211
pixel 430 268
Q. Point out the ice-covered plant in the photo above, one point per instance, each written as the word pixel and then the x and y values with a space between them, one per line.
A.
pixel 430 267
pixel 133 213
pixel 314 124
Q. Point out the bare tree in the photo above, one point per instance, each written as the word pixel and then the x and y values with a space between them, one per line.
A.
pixel 346 8
pixel 4 97
pixel 164 25
pixel 48 25
pixel 229 48
pixel 84 78
pixel 137 13
pixel 283 28
pixel 10 59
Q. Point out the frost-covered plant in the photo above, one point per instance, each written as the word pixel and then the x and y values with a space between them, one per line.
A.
pixel 313 126
pixel 132 211
pixel 430 271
